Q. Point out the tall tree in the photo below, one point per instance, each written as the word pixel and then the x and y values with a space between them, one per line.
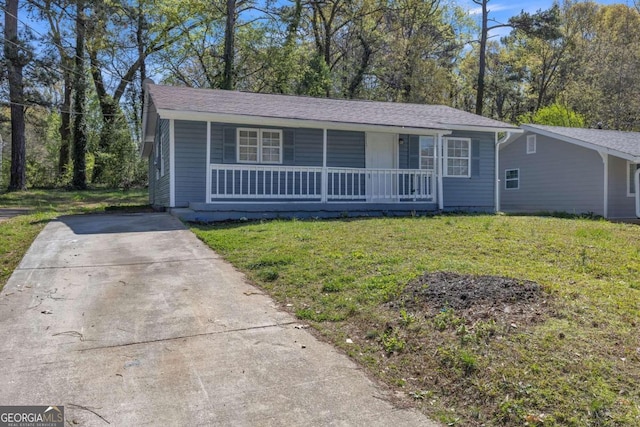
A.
pixel 420 47
pixel 55 14
pixel 541 24
pixel 79 123
pixel 228 57
pixel 115 62
pixel 15 63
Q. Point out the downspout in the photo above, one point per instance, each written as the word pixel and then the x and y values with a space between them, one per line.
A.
pixel 637 179
pixel 605 166
pixel 440 169
pixel 498 142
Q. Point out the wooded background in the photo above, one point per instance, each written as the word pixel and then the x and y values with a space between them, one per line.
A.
pixel 74 69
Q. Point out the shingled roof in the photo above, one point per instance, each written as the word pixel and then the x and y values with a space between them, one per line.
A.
pixel 624 144
pixel 232 103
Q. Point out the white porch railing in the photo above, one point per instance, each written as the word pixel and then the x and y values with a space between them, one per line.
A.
pixel 251 182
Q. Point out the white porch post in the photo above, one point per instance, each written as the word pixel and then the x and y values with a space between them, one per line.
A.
pixel 440 172
pixel 325 175
pixel 207 197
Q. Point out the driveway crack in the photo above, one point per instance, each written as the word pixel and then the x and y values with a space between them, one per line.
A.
pixel 275 325
pixel 120 264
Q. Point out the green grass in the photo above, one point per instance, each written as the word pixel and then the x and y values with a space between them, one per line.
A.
pixel 43 205
pixel 580 366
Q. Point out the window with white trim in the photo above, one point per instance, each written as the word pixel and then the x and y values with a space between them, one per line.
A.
pixel 259 146
pixel 512 179
pixel 457 157
pixel 531 144
pixel 427 153
pixel 631 182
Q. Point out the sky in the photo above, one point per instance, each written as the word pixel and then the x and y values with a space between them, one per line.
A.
pixel 502 10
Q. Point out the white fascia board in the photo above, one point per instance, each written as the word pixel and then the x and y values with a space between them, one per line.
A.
pixel 469 128
pixel 582 143
pixel 313 124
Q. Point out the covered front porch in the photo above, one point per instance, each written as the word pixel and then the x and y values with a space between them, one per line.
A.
pixel 380 168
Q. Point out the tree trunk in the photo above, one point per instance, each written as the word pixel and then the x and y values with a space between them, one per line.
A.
pixel 365 59
pixel 18 179
pixel 140 41
pixel 229 46
pixel 483 59
pixel 65 122
pixel 79 124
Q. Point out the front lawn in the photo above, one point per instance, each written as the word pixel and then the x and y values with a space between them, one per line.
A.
pixel 566 352
pixel 44 205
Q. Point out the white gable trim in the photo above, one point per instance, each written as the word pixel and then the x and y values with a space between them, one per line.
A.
pixel 581 143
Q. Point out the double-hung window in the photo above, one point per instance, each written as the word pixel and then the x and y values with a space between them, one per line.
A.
pixel 259 146
pixel 427 153
pixel 631 178
pixel 457 157
pixel 512 179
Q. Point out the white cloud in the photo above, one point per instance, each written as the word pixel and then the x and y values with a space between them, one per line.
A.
pixel 492 8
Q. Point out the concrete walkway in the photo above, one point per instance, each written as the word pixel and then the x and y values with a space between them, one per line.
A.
pixel 8 213
pixel 130 320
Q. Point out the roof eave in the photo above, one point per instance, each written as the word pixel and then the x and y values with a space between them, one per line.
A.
pixel 581 143
pixel 293 122
pixel 442 129
pixel 478 128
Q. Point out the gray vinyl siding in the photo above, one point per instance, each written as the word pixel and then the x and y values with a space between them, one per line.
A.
pixel 560 177
pixel 161 185
pixel 308 147
pixel 345 149
pixel 301 147
pixel 190 162
pixel 620 205
pixel 478 191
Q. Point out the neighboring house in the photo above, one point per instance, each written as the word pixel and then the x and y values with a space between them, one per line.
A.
pixel 217 154
pixel 579 171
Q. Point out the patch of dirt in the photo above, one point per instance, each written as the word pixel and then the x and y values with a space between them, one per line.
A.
pixel 474 298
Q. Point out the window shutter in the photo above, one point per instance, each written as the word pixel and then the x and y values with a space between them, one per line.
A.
pixel 475 158
pixel 288 146
pixel 229 145
pixel 414 152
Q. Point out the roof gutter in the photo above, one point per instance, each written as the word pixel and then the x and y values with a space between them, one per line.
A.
pixel 502 140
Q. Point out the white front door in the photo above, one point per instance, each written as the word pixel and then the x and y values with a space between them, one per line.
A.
pixel 382 153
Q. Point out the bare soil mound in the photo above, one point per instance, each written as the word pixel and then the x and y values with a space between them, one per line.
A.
pixel 503 299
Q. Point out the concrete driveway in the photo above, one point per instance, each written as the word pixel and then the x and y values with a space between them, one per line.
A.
pixel 130 320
